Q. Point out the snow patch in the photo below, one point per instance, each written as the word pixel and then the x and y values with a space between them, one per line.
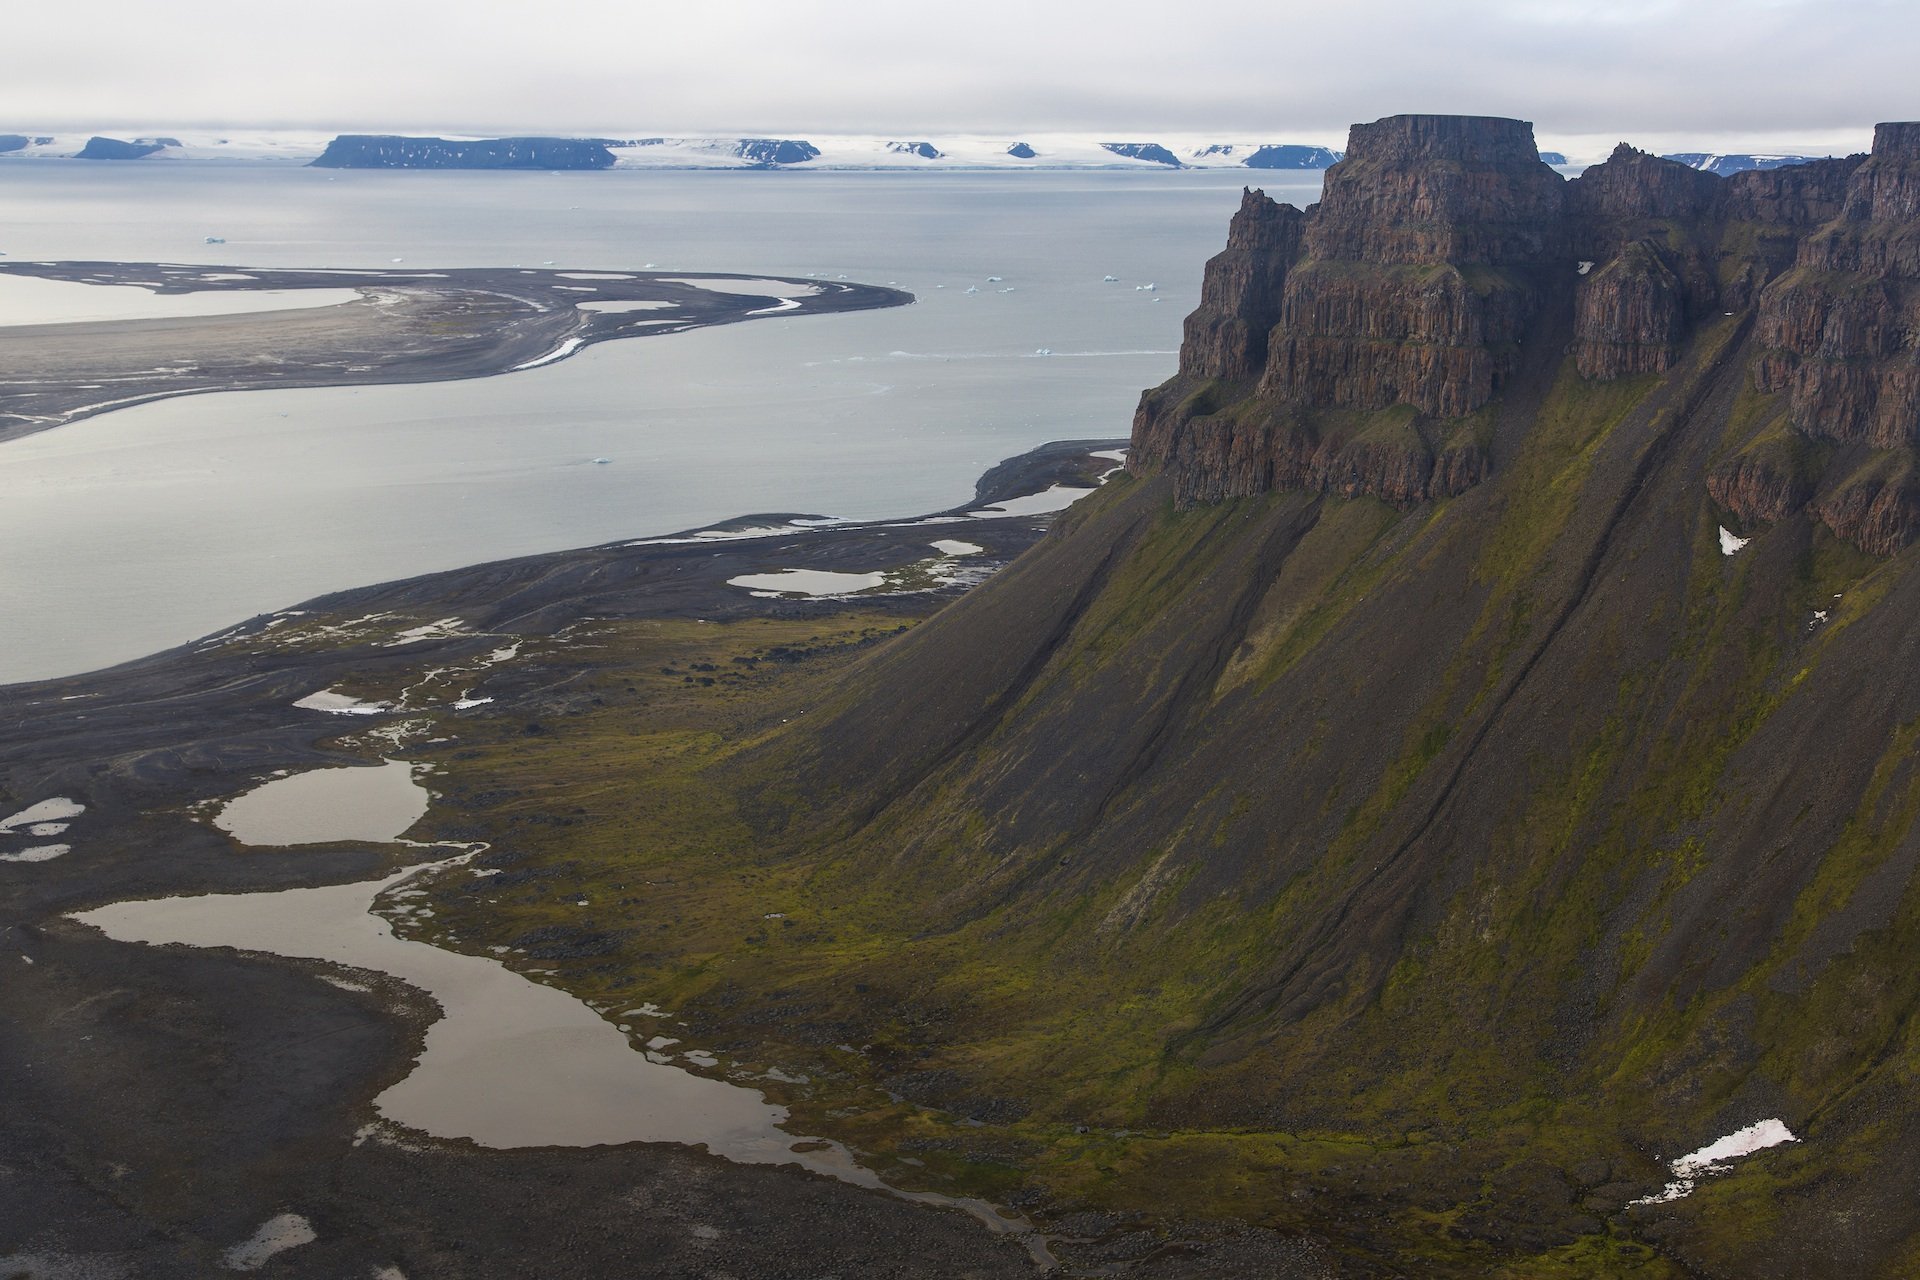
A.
pixel 39 853
pixel 1730 544
pixel 1712 1158
pixel 55 809
pixel 565 349
pixel 275 1235
pixel 340 704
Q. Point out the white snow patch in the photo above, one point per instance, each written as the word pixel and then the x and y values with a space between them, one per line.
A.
pixel 275 1235
pixel 1585 266
pixel 55 809
pixel 1730 544
pixel 463 704
pixel 340 704
pixel 955 547
pixel 39 853
pixel 440 629
pixel 1712 1158
pixel 55 828
pixel 566 348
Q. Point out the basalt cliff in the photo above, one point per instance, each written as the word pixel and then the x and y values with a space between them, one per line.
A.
pixel 1464 765
pixel 1443 249
pixel 1480 727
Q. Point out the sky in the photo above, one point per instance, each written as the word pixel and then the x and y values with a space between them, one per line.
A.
pixel 1811 75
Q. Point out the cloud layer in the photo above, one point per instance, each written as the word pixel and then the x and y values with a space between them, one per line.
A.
pixel 1651 70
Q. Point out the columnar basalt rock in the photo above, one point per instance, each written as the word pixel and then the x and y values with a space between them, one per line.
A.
pixel 1842 329
pixel 1415 287
pixel 1629 316
pixel 1408 287
pixel 1240 292
pixel 1350 348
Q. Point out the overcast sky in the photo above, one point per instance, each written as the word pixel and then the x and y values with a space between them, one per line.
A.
pixel 1730 74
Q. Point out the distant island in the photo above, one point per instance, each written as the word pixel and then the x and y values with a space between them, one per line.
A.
pixel 553 153
pixel 830 151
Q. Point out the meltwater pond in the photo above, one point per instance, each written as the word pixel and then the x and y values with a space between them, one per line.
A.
pixel 509 1062
pixel 355 803
pixel 149 526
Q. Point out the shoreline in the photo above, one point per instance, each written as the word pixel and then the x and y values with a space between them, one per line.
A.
pixel 141 744
pixel 409 326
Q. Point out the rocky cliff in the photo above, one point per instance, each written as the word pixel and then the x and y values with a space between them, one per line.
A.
pixel 377 151
pixel 1443 248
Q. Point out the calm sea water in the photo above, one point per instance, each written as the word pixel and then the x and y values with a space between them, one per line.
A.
pixel 145 528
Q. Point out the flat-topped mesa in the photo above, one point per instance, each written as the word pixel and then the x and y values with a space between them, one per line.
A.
pixel 1416 284
pixel 1420 190
pixel 1408 286
pixel 1226 337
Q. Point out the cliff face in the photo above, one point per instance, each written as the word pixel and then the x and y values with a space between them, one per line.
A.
pixel 1408 287
pixel 376 151
pixel 1839 327
pixel 1443 246
pixel 1240 292
pixel 1414 289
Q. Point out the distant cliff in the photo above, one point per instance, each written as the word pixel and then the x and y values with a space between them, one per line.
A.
pixel 99 148
pixel 1444 248
pixel 386 151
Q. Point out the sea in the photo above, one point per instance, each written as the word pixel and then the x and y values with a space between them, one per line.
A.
pixel 144 528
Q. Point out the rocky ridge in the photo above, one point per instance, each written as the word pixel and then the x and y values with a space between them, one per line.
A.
pixel 1359 346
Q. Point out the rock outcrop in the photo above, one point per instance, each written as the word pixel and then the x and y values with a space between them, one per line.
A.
pixel 1443 244
pixel 1840 328
pixel 768 152
pixel 1241 290
pixel 99 148
pixel 1149 151
pixel 1291 156
pixel 1409 286
pixel 380 151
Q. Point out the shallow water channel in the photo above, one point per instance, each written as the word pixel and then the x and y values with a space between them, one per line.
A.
pixel 510 1062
